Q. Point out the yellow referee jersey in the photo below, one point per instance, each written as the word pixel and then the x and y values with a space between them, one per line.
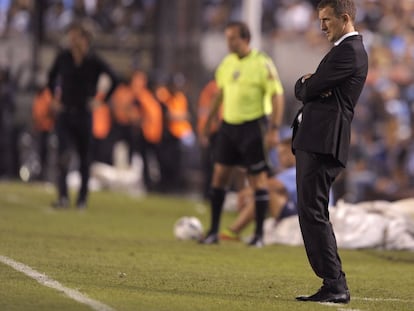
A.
pixel 248 84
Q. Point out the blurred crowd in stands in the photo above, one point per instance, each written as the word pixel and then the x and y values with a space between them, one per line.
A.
pixel 382 155
pixel 108 16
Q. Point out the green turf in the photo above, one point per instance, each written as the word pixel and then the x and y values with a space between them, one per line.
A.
pixel 121 252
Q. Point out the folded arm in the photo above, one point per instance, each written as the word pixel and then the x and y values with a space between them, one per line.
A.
pixel 330 74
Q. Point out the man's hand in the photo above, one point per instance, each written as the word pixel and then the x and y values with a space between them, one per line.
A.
pixel 203 137
pixel 56 106
pixel 326 94
pixel 271 138
pixel 95 103
pixel 306 77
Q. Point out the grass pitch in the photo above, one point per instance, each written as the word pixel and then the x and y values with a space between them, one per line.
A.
pixel 121 251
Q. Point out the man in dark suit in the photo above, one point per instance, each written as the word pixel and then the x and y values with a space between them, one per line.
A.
pixel 321 140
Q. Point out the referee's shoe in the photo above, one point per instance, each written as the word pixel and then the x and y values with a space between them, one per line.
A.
pixel 210 238
pixel 256 241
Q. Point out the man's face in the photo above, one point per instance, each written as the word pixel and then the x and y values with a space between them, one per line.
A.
pixel 332 25
pixel 77 40
pixel 234 42
pixel 139 80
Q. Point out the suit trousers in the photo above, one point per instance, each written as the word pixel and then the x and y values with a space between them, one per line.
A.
pixel 315 174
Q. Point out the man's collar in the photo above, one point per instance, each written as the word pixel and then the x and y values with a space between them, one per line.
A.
pixel 250 53
pixel 349 34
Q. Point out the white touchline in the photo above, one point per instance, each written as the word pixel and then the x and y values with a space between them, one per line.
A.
pixel 382 299
pixel 335 305
pixel 49 282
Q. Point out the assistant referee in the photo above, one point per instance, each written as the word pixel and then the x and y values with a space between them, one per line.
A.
pixel 253 103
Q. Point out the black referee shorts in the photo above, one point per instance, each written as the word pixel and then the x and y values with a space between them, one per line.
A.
pixel 243 145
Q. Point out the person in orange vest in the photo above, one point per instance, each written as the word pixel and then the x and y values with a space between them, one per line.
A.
pixel 177 133
pixel 101 129
pixel 126 115
pixel 209 91
pixel 151 125
pixel 43 124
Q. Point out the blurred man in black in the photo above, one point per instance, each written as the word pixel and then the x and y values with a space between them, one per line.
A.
pixel 7 110
pixel 73 80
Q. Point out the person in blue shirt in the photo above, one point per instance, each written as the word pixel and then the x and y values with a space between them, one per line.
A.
pixel 282 194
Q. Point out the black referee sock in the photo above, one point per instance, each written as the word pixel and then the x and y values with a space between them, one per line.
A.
pixel 216 200
pixel 261 197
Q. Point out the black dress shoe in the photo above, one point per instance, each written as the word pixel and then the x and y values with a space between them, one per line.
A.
pixel 325 295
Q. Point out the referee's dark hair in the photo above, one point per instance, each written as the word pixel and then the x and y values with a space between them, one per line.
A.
pixel 243 29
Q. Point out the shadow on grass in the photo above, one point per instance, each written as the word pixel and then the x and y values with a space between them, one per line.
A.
pixel 392 256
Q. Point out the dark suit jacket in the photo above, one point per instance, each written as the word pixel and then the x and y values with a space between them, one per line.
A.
pixel 326 122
